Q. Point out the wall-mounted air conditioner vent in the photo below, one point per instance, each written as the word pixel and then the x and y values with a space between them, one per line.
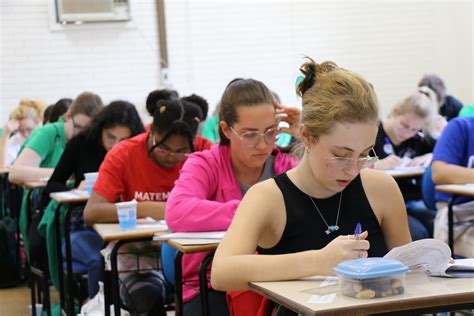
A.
pixel 74 11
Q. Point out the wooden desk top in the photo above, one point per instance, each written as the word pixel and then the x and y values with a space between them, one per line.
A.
pixel 112 231
pixel 461 189
pixel 73 196
pixel 421 291
pixel 408 173
pixel 186 249
pixel 35 184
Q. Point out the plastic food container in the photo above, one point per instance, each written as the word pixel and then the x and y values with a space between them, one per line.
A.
pixel 368 278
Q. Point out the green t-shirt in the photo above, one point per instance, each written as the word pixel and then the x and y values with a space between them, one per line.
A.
pixel 49 142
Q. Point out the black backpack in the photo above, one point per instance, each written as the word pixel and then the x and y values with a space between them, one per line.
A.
pixel 11 270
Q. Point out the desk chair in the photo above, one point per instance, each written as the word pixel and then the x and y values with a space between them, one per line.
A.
pixel 38 276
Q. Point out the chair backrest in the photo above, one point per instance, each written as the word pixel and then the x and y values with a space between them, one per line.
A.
pixel 167 262
pixel 428 190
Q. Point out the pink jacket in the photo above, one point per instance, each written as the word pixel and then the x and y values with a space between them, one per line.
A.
pixel 205 198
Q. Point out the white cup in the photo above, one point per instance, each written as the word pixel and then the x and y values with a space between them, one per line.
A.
pixel 90 178
pixel 127 214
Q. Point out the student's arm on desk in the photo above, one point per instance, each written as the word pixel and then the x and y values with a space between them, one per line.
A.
pixel 445 173
pixel 26 168
pixel 261 222
pixel 189 208
pixel 100 210
pixel 388 205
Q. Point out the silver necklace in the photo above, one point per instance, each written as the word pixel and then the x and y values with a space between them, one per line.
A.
pixel 331 228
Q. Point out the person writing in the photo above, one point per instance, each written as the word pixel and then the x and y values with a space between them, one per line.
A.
pixel 304 226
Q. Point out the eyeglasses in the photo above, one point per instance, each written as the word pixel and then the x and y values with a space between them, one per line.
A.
pixel 165 152
pixel 347 163
pixel 75 125
pixel 251 139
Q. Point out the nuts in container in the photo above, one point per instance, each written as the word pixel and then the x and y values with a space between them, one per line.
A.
pixel 369 278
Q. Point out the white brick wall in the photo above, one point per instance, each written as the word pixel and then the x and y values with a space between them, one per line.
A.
pixel 114 60
pixel 391 43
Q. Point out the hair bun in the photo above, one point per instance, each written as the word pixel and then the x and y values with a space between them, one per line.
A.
pixel 200 102
pixel 310 70
pixel 154 97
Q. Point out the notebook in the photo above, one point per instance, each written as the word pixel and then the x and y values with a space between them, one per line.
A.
pixel 432 256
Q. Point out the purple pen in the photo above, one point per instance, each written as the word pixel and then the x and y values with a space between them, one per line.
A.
pixel 357 230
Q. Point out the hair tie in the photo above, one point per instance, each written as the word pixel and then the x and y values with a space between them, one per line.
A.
pixel 162 109
pixel 197 119
pixel 299 80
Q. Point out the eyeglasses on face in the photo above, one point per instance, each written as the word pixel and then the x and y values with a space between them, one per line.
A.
pixel 76 126
pixel 347 163
pixel 165 152
pixel 252 138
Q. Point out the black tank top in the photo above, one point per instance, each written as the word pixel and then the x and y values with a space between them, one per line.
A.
pixel 305 230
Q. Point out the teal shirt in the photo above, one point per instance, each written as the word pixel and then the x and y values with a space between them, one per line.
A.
pixel 210 129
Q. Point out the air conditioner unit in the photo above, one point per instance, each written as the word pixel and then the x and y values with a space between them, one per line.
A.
pixel 77 11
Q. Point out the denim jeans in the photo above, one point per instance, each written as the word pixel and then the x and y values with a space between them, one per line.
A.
pixel 85 248
pixel 420 219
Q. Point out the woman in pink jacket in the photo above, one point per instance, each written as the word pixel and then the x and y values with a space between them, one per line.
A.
pixel 212 183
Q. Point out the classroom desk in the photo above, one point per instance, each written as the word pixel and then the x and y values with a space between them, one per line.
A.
pixel 178 273
pixel 112 232
pixel 399 174
pixel 68 197
pixel 423 294
pixel 34 185
pixel 456 190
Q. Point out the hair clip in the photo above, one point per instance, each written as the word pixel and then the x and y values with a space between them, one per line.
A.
pixel 197 119
pixel 162 109
pixel 299 80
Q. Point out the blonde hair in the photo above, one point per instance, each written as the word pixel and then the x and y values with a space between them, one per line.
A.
pixel 333 94
pixel 32 109
pixel 423 103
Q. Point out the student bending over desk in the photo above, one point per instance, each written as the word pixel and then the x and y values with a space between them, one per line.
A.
pixel 23 120
pixel 400 142
pixel 39 156
pixel 212 183
pixel 305 218
pixel 84 153
pixel 145 168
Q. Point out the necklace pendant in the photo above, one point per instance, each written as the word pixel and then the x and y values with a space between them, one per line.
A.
pixel 331 229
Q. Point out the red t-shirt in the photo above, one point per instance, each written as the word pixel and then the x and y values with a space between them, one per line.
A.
pixel 128 173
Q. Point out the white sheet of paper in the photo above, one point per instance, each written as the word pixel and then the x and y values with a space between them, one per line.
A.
pixel 321 299
pixel 330 280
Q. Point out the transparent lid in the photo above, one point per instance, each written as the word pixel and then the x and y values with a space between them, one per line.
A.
pixel 366 268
